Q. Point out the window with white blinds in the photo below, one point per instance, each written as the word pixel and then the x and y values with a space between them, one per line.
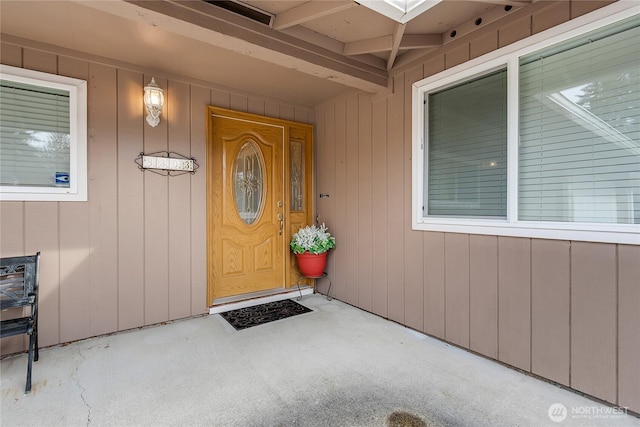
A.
pixel 538 139
pixel 42 136
pixel 467 148
pixel 579 151
pixel 34 135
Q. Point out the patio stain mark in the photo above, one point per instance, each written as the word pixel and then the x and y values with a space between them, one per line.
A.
pixel 404 419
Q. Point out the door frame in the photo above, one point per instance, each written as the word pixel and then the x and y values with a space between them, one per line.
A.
pixel 293 132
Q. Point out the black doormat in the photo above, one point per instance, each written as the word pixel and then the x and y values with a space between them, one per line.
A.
pixel 244 318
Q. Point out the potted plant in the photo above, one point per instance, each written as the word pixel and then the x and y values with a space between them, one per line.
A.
pixel 311 244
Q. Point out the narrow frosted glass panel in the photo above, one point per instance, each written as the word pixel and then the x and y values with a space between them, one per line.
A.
pixel 297 175
pixel 248 182
pixel 34 136
pixel 579 149
pixel 467 149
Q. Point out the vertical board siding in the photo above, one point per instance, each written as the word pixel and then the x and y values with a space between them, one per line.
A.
pixel 413 245
pixel 514 302
pixel 483 295
pixel 135 253
pixel 339 225
pixel 434 288
pixel 567 311
pixel 550 17
pixel 130 202
pixel 178 116
pixel 594 319
pixel 529 303
pixel 628 324
pixel 364 222
pixel 395 202
pixel 550 309
pixel 199 96
pixel 456 288
pixel 379 266
pixel 103 209
pixel 351 208
pixel 514 31
pixel 41 235
pixel 156 219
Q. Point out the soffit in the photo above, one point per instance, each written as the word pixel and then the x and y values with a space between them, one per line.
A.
pixel 313 51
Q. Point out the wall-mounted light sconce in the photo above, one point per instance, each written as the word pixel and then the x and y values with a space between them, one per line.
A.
pixel 154 100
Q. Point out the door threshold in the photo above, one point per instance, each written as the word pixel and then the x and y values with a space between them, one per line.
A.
pixel 225 304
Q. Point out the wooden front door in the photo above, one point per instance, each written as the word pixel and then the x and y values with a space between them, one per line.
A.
pixel 246 206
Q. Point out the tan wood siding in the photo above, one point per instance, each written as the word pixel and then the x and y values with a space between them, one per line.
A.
pixel 594 319
pixel 483 295
pixel 395 203
pixel 198 221
pixel 550 309
pixel 413 245
pixel 103 212
pixel 539 305
pixel 365 247
pixel 379 214
pixel 351 194
pixel 434 279
pixel 130 203
pixel 563 310
pixel 339 196
pixel 628 324
pixel 456 288
pixel 514 302
pixel 135 253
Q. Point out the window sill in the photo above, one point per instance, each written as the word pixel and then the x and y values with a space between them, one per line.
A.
pixel 622 233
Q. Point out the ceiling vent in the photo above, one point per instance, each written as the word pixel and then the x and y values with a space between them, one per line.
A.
pixel 243 9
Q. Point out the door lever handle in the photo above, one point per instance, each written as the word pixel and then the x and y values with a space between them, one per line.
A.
pixel 281 218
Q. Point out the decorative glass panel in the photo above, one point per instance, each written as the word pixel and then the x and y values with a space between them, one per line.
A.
pixel 297 178
pixel 248 182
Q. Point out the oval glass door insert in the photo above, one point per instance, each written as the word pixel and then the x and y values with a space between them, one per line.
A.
pixel 248 182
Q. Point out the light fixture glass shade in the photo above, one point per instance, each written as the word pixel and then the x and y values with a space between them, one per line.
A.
pixel 154 100
pixel 401 11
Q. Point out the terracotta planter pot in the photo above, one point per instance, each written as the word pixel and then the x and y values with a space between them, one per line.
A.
pixel 312 265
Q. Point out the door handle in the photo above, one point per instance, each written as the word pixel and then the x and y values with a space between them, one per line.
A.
pixel 281 218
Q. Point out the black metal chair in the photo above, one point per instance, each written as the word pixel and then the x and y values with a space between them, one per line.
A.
pixel 19 289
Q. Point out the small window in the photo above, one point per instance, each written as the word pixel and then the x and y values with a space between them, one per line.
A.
pixel 467 149
pixel 43 136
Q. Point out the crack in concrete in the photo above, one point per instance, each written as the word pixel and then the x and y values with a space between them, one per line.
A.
pixel 77 380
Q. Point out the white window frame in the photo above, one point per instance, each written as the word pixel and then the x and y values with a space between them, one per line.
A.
pixel 77 190
pixel 509 56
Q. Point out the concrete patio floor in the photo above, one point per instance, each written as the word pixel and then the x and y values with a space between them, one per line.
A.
pixel 335 366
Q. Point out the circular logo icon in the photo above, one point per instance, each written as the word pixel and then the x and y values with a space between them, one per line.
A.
pixel 557 412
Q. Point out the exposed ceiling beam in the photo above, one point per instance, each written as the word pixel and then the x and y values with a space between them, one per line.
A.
pixel 206 23
pixel 504 2
pixel 309 11
pixel 419 41
pixel 378 44
pixel 397 38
